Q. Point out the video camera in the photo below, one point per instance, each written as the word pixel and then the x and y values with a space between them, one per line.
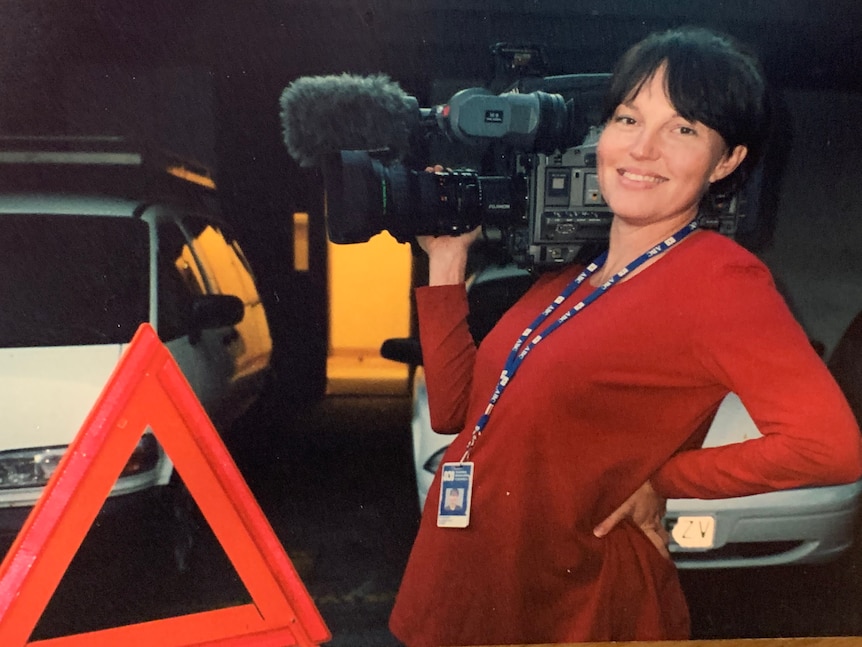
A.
pixel 534 190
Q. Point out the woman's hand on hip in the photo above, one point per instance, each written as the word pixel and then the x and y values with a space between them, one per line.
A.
pixel 646 510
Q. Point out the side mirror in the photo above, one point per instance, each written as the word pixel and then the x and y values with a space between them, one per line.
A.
pixel 214 311
pixel 406 350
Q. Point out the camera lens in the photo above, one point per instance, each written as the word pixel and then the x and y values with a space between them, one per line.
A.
pixel 365 196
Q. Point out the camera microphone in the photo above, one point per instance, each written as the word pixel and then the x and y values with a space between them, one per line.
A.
pixel 322 115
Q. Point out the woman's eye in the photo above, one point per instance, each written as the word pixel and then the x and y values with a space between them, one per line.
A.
pixel 624 119
pixel 687 130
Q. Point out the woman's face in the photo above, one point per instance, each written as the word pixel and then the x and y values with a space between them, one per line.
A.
pixel 654 165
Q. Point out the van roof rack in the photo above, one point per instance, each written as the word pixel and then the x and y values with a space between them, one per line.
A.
pixel 106 164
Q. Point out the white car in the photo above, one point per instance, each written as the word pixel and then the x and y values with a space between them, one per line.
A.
pixel 97 237
pixel 801 526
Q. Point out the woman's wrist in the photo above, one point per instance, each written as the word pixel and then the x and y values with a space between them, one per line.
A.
pixel 447 267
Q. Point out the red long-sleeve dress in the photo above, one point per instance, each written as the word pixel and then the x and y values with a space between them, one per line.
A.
pixel 620 394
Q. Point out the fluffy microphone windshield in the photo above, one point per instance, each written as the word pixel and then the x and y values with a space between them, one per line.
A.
pixel 322 115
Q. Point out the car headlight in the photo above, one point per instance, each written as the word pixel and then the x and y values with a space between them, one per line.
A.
pixel 29 467
pixel 24 468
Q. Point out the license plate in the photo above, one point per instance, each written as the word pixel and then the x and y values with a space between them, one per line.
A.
pixel 694 532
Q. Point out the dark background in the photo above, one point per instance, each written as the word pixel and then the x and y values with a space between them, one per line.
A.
pixel 203 78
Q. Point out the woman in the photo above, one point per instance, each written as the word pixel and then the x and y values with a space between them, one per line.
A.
pixel 594 424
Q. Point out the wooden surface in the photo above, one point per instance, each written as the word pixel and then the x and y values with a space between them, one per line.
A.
pixel 850 641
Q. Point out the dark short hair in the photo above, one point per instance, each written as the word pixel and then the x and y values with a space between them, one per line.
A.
pixel 711 78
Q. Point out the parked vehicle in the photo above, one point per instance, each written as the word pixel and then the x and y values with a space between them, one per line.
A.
pixel 800 526
pixel 97 237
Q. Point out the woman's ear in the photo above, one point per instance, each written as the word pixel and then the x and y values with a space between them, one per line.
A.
pixel 728 163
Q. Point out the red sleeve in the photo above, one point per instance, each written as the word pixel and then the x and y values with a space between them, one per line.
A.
pixel 448 354
pixel 748 339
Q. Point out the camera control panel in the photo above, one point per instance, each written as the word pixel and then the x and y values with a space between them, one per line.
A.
pixel 569 210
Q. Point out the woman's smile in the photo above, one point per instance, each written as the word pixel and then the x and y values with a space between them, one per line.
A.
pixel 640 177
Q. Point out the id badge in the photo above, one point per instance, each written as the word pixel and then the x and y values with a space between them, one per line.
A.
pixel 456 492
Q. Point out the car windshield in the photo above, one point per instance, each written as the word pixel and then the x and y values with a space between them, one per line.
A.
pixel 71 280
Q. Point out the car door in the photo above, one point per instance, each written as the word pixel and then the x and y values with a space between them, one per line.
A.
pixel 248 343
pixel 202 354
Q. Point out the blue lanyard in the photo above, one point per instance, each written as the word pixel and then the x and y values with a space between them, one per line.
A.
pixel 522 347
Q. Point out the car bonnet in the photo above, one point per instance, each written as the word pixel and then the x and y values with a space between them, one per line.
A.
pixel 46 393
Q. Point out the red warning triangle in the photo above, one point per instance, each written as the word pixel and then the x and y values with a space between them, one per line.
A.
pixel 148 388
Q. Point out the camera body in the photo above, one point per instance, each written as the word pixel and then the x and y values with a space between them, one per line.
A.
pixel 535 190
pixel 565 211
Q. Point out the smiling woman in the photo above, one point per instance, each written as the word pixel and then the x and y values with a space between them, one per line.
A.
pixel 587 404
pixel 653 161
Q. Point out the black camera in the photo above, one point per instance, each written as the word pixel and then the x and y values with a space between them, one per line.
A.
pixel 531 184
